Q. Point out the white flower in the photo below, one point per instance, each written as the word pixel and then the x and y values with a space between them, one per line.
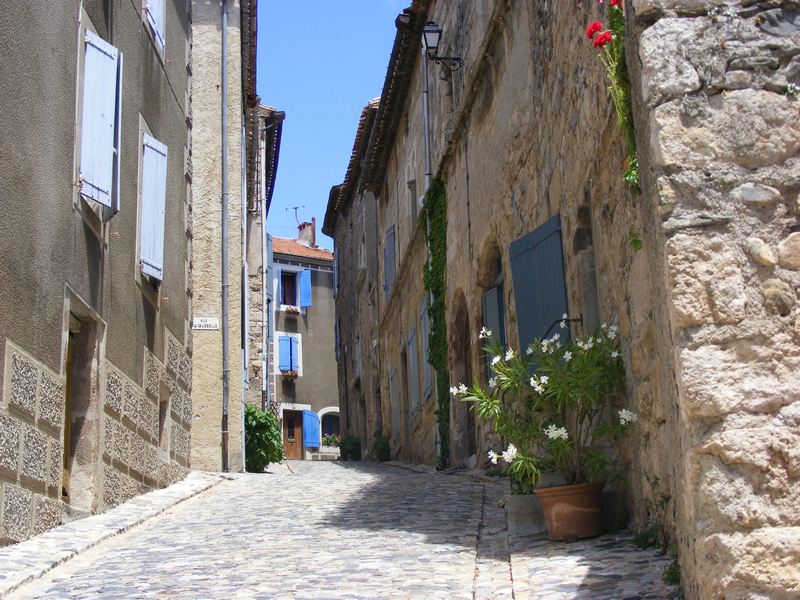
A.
pixel 510 454
pixel 485 334
pixel 563 324
pixel 529 351
pixel 626 416
pixel 546 346
pixel 453 391
pixel 555 338
pixel 493 456
pixel 462 389
pixel 536 385
pixel 555 433
pixel 567 356
pixel 612 331
pixel 495 360
pixel 589 344
pixel 614 354
pixel 493 382
pixel 544 379
pixel 509 354
pixel 604 326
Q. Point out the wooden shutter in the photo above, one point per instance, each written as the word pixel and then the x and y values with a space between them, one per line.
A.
pixel 305 288
pixel 295 354
pixel 151 221
pixel 540 292
pixel 388 261
pixel 155 17
pixel 311 437
pixel 102 103
pixel 285 353
pixel 413 370
pixel 424 325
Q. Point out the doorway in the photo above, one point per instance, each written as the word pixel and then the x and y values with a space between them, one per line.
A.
pixel 293 434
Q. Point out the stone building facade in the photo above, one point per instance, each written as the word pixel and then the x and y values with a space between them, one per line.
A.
pixel 303 364
pixel 525 138
pixel 94 318
pixel 218 442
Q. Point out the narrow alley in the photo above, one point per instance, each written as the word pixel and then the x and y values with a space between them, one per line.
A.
pixel 340 530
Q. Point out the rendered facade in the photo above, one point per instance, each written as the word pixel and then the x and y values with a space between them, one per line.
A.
pixel 94 317
pixel 540 223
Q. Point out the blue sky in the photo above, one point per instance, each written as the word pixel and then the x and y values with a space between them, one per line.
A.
pixel 320 61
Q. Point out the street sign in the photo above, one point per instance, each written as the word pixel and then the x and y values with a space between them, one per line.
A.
pixel 207 323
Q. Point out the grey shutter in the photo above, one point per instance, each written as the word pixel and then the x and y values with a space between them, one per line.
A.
pixel 494 313
pixel 154 187
pixel 155 17
pixel 424 325
pixel 102 101
pixel 540 292
pixel 413 371
pixel 388 261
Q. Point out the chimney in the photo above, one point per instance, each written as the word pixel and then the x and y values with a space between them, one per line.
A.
pixel 307 233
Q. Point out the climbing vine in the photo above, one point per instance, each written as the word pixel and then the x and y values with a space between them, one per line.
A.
pixel 435 214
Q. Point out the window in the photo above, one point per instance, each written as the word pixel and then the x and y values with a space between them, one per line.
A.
pixel 424 326
pixel 540 291
pixel 413 371
pixel 330 424
pixel 288 354
pixel 152 203
pixel 494 316
pixel 412 203
pixel 288 291
pixel 290 428
pixel 388 261
pixel 154 12
pixel 100 122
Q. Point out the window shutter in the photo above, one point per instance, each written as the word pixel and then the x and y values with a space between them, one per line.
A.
pixel 295 354
pixel 540 292
pixel 494 313
pixel 269 267
pixel 284 353
pixel 102 101
pixel 151 222
pixel 305 288
pixel 395 405
pixel 413 371
pixel 424 325
pixel 155 17
pixel 311 437
pixel 335 271
pixel 389 261
pixel 280 295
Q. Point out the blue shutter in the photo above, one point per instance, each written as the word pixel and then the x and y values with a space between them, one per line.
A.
pixel 102 77
pixel 388 261
pixel 155 17
pixel 295 354
pixel 424 324
pixel 540 292
pixel 280 297
pixel 311 437
pixel 413 371
pixel 151 221
pixel 305 288
pixel 284 353
pixel 270 270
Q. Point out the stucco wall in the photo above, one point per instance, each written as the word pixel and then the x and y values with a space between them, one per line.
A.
pixel 60 258
pixel 207 253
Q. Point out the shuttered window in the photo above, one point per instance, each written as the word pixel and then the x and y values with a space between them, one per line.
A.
pixel 540 292
pixel 424 326
pixel 155 18
pixel 413 371
pixel 100 122
pixel 494 316
pixel 270 270
pixel 153 203
pixel 389 261
pixel 305 288
pixel 288 353
pixel 295 360
pixel 311 429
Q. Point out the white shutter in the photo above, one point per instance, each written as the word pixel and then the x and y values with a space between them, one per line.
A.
pixel 154 188
pixel 101 80
pixel 155 17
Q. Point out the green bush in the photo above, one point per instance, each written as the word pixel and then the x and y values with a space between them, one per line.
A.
pixel 263 443
pixel 380 446
pixel 350 448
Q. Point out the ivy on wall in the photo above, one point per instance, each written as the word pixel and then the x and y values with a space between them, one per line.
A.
pixel 435 215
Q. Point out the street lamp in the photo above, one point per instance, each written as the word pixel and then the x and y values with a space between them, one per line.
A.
pixel 431 34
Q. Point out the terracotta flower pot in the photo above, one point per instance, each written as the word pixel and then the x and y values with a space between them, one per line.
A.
pixel 572 511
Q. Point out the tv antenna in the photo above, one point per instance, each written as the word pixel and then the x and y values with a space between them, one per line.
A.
pixel 295 209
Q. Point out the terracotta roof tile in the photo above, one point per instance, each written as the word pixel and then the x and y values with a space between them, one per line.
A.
pixel 295 248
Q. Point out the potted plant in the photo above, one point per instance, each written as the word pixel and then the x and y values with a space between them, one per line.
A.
pixel 558 405
pixel 291 374
pixel 292 311
pixel 331 440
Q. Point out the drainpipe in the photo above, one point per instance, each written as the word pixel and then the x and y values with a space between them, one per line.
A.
pixel 264 282
pixel 224 158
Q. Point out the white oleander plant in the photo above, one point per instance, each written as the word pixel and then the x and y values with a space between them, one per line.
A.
pixel 558 404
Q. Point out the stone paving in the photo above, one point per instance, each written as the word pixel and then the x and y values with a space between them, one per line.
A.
pixel 346 530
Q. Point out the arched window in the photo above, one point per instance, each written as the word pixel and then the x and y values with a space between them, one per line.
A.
pixel 330 424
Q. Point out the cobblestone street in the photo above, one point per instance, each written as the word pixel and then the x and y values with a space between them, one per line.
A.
pixel 345 530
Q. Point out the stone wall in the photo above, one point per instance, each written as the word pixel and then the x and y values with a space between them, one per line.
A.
pixel 720 137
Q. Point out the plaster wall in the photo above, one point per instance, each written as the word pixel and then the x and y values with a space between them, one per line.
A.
pixel 207 241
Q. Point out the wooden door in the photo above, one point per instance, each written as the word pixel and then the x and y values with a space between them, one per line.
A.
pixel 293 434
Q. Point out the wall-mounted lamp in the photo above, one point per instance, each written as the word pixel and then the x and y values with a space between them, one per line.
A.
pixel 431 35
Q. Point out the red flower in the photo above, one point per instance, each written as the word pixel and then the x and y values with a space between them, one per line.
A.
pixel 601 40
pixel 616 3
pixel 592 29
